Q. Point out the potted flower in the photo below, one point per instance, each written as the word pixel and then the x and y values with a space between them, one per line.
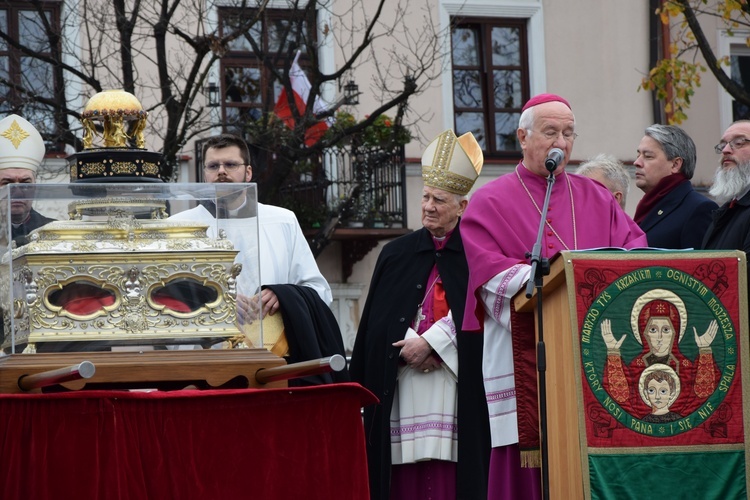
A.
pixel 383 132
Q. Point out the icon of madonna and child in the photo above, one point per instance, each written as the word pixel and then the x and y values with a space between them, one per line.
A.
pixel 660 384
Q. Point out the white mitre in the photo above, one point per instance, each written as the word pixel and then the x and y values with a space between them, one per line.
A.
pixel 21 145
pixel 452 163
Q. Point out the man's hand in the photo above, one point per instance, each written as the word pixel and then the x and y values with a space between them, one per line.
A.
pixel 247 309
pixel 269 302
pixel 418 354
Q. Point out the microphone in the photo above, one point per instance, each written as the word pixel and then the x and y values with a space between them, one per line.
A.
pixel 554 158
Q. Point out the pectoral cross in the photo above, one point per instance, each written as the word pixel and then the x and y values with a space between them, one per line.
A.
pixel 418 318
pixel 421 317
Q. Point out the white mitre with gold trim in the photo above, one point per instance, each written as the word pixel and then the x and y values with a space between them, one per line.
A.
pixel 452 163
pixel 21 145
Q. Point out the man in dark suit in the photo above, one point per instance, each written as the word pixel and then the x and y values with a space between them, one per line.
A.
pixel 671 213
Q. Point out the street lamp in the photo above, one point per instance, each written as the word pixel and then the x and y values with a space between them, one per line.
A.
pixel 351 93
pixel 213 94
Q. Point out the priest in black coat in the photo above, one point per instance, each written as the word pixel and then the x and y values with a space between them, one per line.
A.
pixel 409 346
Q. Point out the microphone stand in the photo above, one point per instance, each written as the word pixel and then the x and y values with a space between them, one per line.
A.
pixel 539 269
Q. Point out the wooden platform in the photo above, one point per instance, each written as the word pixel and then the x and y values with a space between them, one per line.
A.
pixel 165 370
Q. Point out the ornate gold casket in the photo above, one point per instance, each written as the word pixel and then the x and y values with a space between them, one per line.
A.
pixel 119 273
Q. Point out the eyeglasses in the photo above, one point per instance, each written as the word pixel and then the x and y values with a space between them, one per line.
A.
pixel 568 135
pixel 229 166
pixel 736 143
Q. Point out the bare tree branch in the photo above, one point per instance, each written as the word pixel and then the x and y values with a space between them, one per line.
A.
pixel 164 50
pixel 736 91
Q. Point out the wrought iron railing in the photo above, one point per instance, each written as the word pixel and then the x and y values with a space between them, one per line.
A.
pixel 365 185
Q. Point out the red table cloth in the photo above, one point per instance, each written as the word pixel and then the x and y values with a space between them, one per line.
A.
pixel 219 444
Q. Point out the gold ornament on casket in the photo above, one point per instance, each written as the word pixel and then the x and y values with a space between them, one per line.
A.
pixel 115 110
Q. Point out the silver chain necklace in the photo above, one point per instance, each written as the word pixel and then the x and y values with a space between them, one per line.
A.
pixel 572 211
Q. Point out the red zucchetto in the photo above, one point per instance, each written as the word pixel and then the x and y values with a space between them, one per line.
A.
pixel 542 98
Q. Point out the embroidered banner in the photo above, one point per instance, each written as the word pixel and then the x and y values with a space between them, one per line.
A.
pixel 663 340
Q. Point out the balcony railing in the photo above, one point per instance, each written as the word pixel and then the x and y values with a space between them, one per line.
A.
pixel 366 185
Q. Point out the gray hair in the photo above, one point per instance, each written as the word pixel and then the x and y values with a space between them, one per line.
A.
pixel 676 144
pixel 527 119
pixel 611 168
pixel 461 197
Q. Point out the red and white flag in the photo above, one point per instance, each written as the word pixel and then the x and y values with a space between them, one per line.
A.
pixel 301 89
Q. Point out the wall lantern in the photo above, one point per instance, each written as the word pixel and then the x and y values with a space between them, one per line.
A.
pixel 213 94
pixel 351 93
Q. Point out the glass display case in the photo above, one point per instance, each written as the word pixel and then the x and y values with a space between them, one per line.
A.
pixel 128 264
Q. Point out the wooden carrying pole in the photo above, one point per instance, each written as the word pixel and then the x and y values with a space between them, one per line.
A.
pixel 334 363
pixel 84 369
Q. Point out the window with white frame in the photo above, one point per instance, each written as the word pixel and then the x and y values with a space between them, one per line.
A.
pixel 733 46
pixel 739 70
